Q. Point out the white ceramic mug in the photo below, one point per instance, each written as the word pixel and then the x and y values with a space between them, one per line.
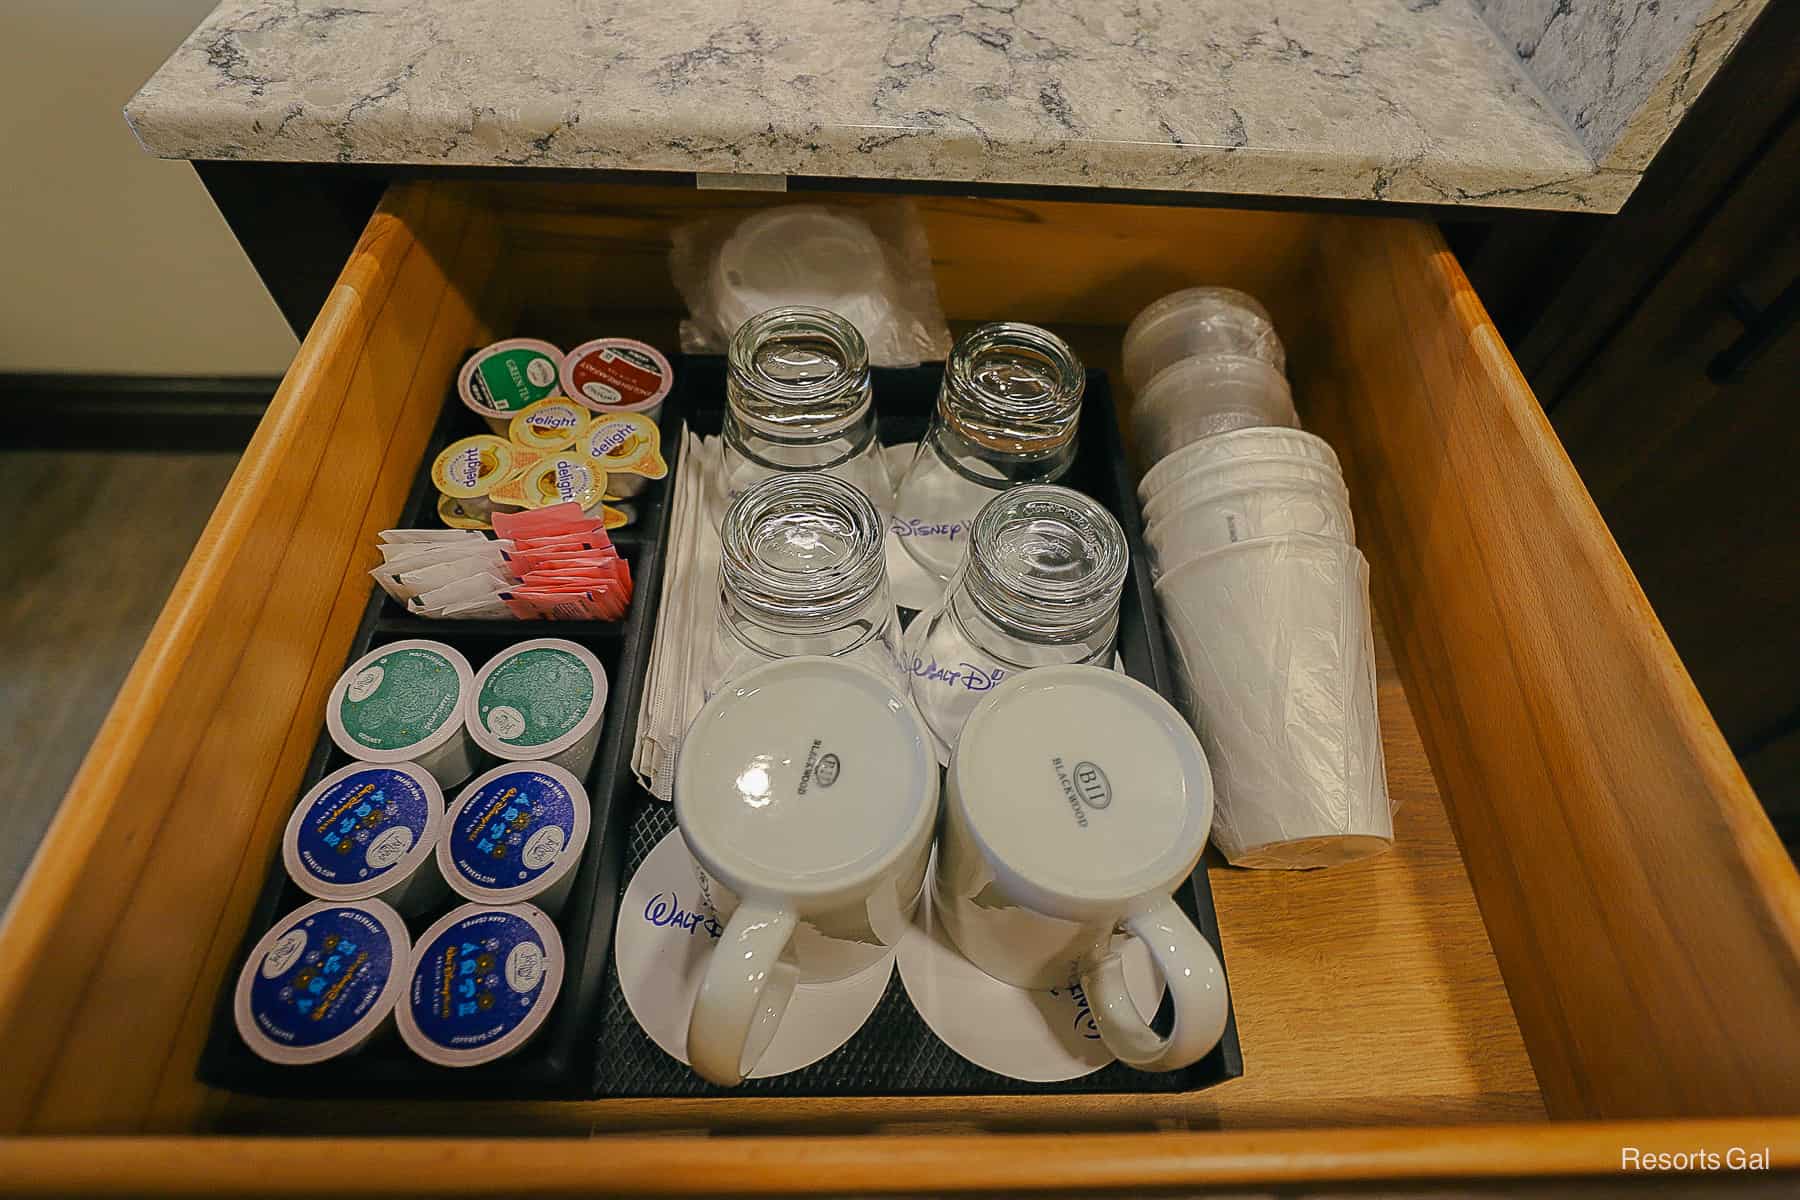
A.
pixel 1078 801
pixel 807 790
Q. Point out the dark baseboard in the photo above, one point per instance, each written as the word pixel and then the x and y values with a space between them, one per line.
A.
pixel 45 411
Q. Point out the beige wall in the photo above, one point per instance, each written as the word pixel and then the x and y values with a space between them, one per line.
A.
pixel 111 260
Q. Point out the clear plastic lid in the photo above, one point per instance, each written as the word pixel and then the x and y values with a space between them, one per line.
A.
pixel 1199 398
pixel 1196 322
pixel 802 254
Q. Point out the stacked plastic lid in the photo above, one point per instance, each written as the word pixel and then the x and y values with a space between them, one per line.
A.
pixel 1263 590
pixel 1201 361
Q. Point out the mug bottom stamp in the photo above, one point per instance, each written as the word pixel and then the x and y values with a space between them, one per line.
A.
pixel 665 934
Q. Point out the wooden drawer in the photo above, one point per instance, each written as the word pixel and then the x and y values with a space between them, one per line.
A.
pixel 1587 917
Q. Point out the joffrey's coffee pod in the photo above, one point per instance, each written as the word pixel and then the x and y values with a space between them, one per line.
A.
pixel 322 982
pixel 482 981
pixel 368 831
pixel 516 833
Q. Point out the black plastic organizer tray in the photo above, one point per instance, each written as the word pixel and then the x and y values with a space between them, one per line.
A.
pixel 896 1053
pixel 592 1046
pixel 559 1061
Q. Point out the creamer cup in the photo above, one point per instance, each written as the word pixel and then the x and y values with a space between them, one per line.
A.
pixel 403 702
pixel 516 833
pixel 474 466
pixel 557 479
pixel 508 377
pixel 323 981
pixel 482 981
pixel 369 831
pixel 542 700
pixel 549 425
pixel 618 375
pixel 627 446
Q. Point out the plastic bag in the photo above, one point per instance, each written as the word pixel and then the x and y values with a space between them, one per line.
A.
pixel 870 264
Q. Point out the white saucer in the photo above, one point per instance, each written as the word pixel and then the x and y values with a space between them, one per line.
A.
pixel 1037 1037
pixel 665 932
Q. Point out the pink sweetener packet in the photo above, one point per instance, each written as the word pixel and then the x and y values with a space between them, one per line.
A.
pixel 532 560
pixel 537 522
pixel 536 604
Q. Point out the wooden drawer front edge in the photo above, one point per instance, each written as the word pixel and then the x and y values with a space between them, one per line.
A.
pixel 1645 917
pixel 924 1164
pixel 234 661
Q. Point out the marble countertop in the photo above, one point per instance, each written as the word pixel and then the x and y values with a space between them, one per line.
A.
pixel 1396 100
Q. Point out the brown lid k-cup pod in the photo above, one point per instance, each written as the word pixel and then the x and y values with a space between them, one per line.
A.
pixel 611 375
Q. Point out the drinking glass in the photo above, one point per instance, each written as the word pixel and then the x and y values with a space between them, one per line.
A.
pixel 798 401
pixel 1040 585
pixel 1006 415
pixel 802 571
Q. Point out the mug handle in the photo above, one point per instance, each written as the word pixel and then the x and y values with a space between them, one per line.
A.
pixel 743 994
pixel 1195 980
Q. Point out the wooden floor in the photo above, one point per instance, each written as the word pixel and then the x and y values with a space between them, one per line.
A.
pixel 94 543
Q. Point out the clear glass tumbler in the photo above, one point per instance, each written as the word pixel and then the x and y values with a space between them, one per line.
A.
pixel 798 401
pixel 1006 415
pixel 802 571
pixel 1040 585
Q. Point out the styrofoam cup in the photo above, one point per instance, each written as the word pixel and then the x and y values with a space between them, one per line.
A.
pixel 323 982
pixel 369 831
pixel 403 702
pixel 481 983
pixel 1203 397
pixel 1239 443
pixel 1277 653
pixel 539 700
pixel 1223 518
pixel 1266 471
pixel 1196 322
pixel 516 833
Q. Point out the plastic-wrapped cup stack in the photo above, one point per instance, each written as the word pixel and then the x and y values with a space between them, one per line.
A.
pixel 1261 586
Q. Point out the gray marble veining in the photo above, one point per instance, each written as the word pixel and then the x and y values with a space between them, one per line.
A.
pixel 1623 72
pixel 1413 100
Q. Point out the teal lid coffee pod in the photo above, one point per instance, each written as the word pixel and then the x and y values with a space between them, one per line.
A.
pixel 369 831
pixel 403 702
pixel 482 981
pixel 539 700
pixel 323 981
